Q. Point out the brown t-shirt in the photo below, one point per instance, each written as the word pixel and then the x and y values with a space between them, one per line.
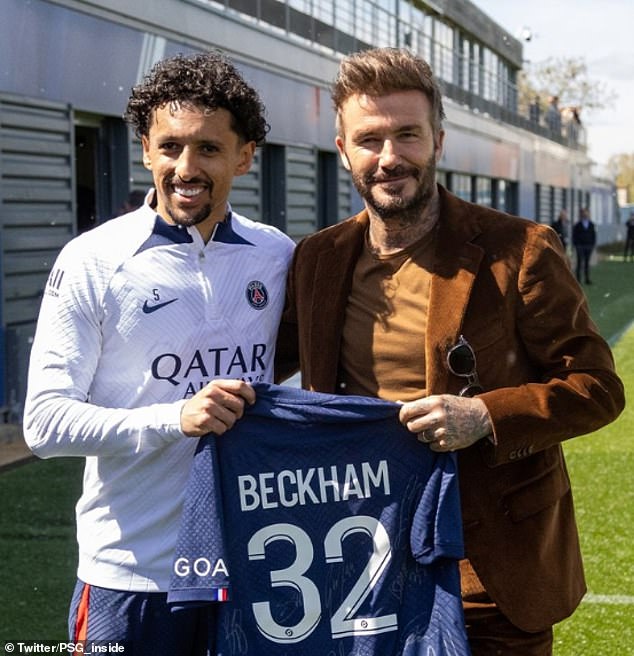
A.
pixel 383 347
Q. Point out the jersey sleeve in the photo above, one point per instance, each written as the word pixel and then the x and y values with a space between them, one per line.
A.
pixel 436 527
pixel 59 419
pixel 200 572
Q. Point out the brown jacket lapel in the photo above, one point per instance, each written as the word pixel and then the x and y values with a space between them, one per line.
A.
pixel 456 264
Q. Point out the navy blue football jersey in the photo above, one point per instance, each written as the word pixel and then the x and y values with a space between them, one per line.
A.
pixel 324 527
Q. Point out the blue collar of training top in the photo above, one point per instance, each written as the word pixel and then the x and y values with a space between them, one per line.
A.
pixel 164 233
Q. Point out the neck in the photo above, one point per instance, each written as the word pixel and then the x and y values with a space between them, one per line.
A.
pixel 208 227
pixel 389 236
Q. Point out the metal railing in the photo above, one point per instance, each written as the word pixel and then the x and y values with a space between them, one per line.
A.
pixel 345 26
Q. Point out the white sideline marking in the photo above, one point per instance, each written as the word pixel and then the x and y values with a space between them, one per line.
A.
pixel 620 600
pixel 615 338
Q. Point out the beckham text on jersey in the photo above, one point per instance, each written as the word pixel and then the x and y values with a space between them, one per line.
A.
pixel 315 485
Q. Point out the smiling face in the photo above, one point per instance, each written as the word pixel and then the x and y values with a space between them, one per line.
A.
pixel 194 154
pixel 388 145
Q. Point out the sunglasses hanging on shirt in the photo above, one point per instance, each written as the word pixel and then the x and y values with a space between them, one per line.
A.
pixel 461 361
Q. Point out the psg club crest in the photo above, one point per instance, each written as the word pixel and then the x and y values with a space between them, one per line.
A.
pixel 257 295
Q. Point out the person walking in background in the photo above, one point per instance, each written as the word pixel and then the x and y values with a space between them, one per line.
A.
pixel 584 239
pixel 473 320
pixel 151 328
pixel 560 226
pixel 628 251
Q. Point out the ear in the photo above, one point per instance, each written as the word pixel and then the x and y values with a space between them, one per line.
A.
pixel 342 153
pixel 439 145
pixel 147 162
pixel 245 158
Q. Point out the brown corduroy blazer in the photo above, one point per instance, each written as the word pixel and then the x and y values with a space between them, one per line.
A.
pixel 504 283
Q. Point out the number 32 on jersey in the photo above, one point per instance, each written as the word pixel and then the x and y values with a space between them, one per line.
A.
pixel 344 621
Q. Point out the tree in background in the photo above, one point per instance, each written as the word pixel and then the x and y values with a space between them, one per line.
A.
pixel 622 167
pixel 565 77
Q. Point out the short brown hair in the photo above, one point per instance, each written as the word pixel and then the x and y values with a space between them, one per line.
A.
pixel 379 71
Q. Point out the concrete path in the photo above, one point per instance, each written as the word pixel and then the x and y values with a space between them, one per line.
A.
pixel 13 450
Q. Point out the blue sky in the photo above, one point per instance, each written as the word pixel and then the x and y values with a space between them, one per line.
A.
pixel 600 32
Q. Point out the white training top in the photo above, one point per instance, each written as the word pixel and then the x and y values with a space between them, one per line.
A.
pixel 137 316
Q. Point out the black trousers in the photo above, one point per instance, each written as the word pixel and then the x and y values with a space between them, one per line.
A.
pixel 584 253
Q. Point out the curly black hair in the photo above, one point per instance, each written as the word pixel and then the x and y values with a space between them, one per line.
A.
pixel 208 80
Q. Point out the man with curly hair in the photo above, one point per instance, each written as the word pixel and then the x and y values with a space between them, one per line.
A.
pixel 152 327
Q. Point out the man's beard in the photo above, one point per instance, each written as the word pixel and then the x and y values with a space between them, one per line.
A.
pixel 186 220
pixel 395 206
pixel 181 217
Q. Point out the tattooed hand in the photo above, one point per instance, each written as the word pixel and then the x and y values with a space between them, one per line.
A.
pixel 447 422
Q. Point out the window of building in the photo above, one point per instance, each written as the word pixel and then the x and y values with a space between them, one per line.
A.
pixel 443 51
pixel 484 195
pixel 464 65
pixel 461 185
pixel 305 6
pixel 344 14
pixel 385 21
pixel 499 195
pixel 323 10
pixel 505 196
pixel 475 68
pixel 490 72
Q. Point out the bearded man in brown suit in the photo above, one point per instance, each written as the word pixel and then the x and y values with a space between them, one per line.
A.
pixel 471 318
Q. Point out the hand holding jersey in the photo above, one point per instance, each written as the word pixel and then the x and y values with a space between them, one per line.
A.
pixel 216 408
pixel 447 422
